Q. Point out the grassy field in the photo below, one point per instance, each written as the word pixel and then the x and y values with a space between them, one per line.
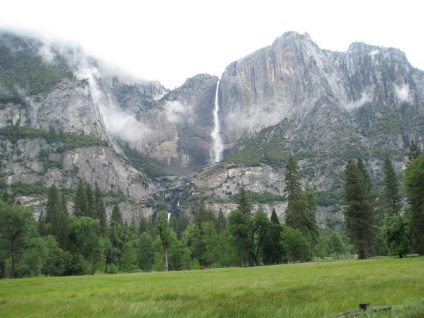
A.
pixel 296 290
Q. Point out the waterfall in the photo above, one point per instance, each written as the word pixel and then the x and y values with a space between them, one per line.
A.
pixel 218 147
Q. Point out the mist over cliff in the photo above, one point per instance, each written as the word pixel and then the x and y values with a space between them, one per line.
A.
pixel 215 133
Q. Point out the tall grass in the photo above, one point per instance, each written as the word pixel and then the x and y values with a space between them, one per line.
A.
pixel 296 290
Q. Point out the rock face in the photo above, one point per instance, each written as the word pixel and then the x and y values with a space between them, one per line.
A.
pixel 323 107
pixel 289 98
pixel 177 128
pixel 295 79
pixel 58 135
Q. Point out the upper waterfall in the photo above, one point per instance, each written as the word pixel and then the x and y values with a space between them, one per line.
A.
pixel 218 147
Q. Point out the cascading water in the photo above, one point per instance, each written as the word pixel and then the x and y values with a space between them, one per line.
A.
pixel 218 147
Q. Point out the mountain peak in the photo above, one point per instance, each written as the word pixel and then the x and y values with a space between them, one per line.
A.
pixel 292 36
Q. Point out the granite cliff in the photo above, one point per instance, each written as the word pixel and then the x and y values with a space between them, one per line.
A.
pixel 68 121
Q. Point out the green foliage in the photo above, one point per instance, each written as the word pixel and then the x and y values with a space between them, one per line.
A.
pixel 267 147
pixel 337 245
pixel 85 243
pixel 80 201
pixel 165 235
pixel 25 70
pixel 414 185
pixel 296 245
pixel 146 252
pixel 358 211
pixel 329 198
pixel 142 162
pixel 66 141
pixel 243 203
pixel 396 232
pixel 16 228
pixel 391 189
pixel 20 188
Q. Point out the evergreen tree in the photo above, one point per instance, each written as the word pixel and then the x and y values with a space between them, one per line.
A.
pixel 221 222
pixel 58 226
pixel 414 152
pixel 64 207
pixel 80 201
pixel 5 197
pixel 100 210
pixel 301 206
pixel 146 252
pixel 164 233
pixel 414 184
pixel 295 204
pixel 243 204
pixel 310 201
pixel 272 249
pixel 116 215
pixel 90 202
pixel 145 225
pixel 240 229
pixel 53 201
pixel 203 214
pixel 358 209
pixel 56 220
pixel 391 189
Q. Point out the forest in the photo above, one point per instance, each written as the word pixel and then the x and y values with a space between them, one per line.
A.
pixel 86 241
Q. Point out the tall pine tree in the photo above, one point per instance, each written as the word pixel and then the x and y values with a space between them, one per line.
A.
pixel 301 206
pixel 358 208
pixel 295 205
pixel 100 210
pixel 80 201
pixel 414 184
pixel 391 189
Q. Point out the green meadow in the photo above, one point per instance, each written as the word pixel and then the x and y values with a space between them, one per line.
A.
pixel 315 289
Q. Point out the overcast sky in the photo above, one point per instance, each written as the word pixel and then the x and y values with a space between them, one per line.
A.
pixel 172 40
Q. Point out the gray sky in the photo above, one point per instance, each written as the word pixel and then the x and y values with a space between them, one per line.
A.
pixel 172 40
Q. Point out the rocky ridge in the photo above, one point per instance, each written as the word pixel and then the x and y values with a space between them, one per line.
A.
pixel 289 98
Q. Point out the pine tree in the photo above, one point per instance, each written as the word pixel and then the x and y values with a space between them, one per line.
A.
pixel 90 201
pixel 80 201
pixel 55 219
pixel 146 252
pixel 414 152
pixel 164 233
pixel 243 204
pixel 53 201
pixel 310 201
pixel 272 249
pixel 391 189
pixel 295 205
pixel 221 222
pixel 116 215
pixel 100 210
pixel 358 210
pixel 414 184
pixel 301 206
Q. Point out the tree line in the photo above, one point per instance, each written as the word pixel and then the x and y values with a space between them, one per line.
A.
pixel 85 240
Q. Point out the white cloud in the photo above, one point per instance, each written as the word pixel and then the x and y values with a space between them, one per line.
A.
pixel 365 98
pixel 177 112
pixel 402 93
pixel 169 40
